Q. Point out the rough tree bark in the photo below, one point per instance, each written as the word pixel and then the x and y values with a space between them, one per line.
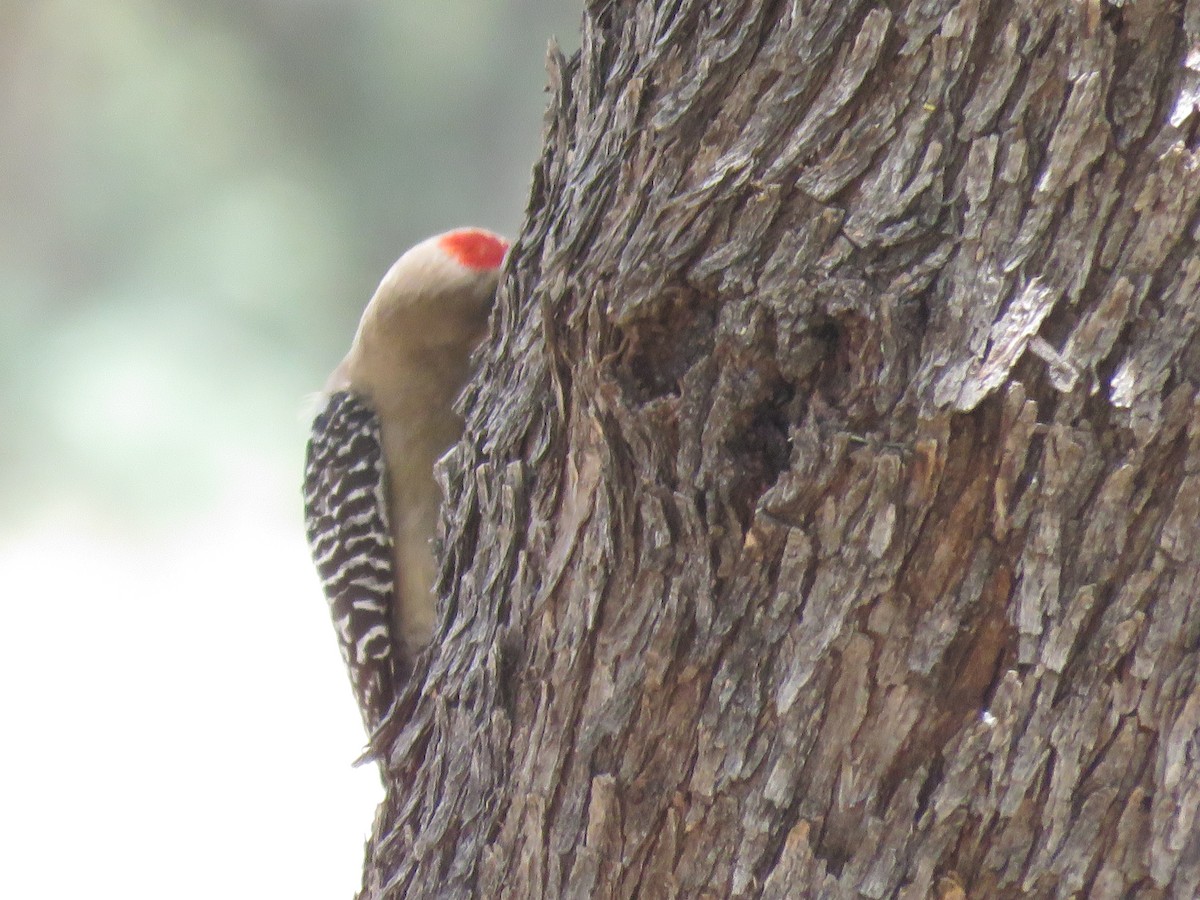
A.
pixel 828 521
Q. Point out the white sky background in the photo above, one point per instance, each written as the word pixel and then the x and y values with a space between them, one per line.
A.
pixel 186 726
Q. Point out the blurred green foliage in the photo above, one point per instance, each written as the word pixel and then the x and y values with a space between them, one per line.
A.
pixel 196 199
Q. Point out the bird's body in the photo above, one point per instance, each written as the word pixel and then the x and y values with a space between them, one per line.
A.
pixel 371 502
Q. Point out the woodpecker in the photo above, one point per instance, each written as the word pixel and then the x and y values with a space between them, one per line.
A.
pixel 370 499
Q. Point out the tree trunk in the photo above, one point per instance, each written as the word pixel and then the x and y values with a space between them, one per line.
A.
pixel 828 520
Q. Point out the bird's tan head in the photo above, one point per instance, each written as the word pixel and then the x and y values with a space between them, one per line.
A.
pixel 449 273
pixel 440 291
pixel 435 299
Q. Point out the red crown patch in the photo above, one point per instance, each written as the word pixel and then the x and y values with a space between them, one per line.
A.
pixel 474 247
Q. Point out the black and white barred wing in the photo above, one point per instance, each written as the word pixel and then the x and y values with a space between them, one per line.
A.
pixel 346 517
